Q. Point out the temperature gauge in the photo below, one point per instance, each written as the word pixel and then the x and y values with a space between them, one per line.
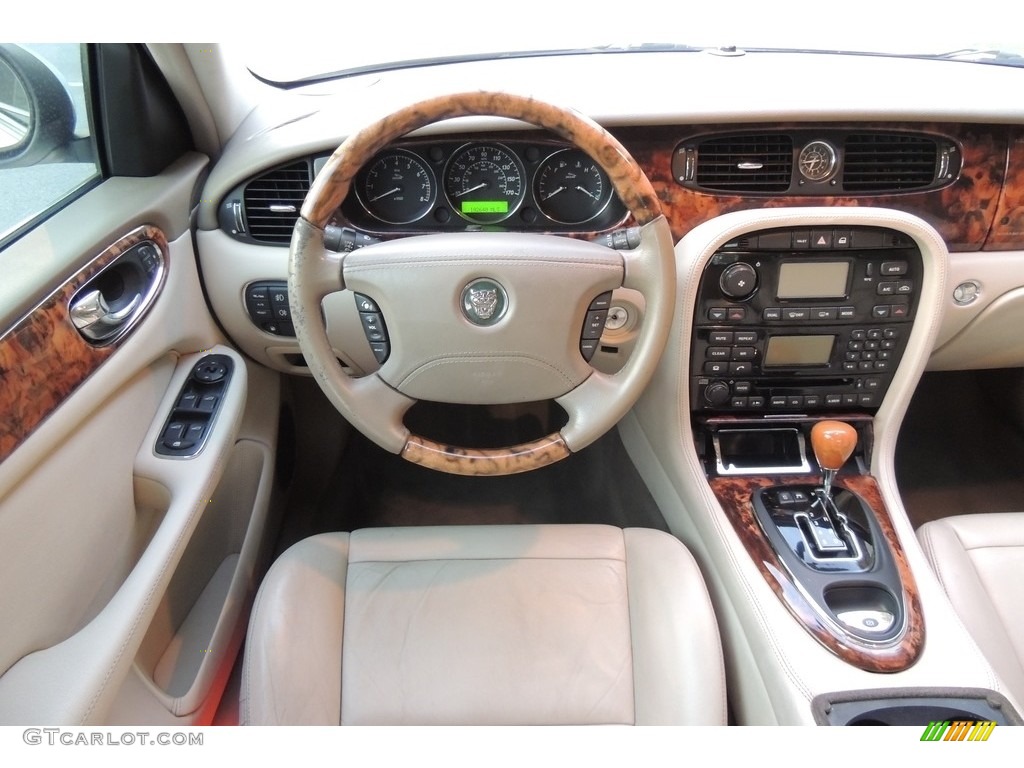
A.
pixel 571 188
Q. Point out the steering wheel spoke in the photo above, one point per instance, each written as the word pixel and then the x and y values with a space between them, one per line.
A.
pixel 312 269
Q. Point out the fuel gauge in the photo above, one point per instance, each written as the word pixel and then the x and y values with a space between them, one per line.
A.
pixel 571 188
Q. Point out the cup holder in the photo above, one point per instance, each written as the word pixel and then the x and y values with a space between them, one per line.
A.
pixel 913 707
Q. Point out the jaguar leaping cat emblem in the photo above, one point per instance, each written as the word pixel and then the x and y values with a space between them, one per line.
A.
pixel 484 301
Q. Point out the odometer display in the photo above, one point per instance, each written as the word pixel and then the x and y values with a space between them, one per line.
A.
pixel 484 183
pixel 484 206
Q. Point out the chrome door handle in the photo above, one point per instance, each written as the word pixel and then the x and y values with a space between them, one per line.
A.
pixel 117 297
pixel 94 319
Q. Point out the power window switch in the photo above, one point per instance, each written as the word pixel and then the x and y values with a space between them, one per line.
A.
pixel 194 433
pixel 175 437
pixel 175 431
pixel 208 403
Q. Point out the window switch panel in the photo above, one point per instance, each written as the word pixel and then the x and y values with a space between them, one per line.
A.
pixel 189 422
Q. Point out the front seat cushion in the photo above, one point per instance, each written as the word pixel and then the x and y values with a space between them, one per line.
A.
pixel 979 560
pixel 484 625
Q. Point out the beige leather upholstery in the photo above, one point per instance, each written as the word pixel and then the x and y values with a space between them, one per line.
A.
pixel 484 625
pixel 980 561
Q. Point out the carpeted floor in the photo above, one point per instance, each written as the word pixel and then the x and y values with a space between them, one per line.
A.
pixel 341 481
pixel 961 447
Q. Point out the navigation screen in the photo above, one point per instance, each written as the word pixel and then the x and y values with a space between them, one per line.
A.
pixel 813 280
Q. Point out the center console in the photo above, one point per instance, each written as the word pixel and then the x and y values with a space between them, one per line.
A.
pixel 789 318
pixel 793 325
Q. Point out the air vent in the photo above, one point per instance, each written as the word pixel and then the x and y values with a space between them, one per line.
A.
pixel 888 162
pixel 754 163
pixel 272 202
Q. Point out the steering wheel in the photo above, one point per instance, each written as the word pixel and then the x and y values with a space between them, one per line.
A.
pixel 482 317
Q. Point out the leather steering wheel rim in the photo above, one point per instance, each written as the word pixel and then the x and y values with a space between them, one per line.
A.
pixel 375 407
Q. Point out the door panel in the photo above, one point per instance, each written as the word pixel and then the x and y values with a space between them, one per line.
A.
pixel 69 529
pixel 93 522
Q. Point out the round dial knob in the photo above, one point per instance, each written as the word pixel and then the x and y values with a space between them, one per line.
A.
pixel 738 280
pixel 717 393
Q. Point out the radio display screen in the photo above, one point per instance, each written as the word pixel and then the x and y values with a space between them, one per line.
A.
pixel 794 351
pixel 813 280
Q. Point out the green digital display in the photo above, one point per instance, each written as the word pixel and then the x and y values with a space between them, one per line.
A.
pixel 485 206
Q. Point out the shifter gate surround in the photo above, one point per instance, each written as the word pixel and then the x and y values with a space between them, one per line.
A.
pixel 541 274
pixel 735 493
pixel 861 579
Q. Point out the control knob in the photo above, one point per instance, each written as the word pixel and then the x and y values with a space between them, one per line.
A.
pixel 738 280
pixel 717 393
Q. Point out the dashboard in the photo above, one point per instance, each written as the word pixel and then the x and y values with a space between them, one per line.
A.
pixel 964 179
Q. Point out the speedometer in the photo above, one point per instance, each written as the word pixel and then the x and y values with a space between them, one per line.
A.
pixel 484 183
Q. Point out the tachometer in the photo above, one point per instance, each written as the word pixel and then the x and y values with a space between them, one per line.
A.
pixel 484 183
pixel 397 187
pixel 571 188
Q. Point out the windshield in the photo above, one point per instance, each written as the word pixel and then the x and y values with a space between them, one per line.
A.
pixel 365 39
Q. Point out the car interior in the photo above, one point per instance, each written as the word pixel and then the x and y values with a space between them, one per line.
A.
pixel 454 392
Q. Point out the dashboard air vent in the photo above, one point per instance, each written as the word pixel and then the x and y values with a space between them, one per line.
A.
pixel 273 201
pixel 888 162
pixel 753 163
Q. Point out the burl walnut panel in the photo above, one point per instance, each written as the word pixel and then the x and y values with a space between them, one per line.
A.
pixel 734 494
pixel 1008 228
pixel 43 359
pixel 963 213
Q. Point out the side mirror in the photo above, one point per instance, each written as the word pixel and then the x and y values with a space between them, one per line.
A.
pixel 37 115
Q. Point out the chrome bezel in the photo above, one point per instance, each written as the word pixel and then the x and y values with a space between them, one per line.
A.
pixel 514 204
pixel 368 206
pixel 603 201
pixel 832 164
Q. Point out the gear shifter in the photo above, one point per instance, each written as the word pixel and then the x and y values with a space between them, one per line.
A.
pixel 833 443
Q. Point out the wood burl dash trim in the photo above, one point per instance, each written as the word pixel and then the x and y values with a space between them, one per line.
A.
pixel 735 493
pixel 43 359
pixel 498 461
pixel 333 182
pixel 1008 228
pixel 963 213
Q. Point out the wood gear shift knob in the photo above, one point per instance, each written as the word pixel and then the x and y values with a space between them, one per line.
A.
pixel 833 442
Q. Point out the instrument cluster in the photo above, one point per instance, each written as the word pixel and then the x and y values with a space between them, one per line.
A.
pixel 451 185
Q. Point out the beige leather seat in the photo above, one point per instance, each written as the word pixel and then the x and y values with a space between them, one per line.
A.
pixel 979 560
pixel 551 624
